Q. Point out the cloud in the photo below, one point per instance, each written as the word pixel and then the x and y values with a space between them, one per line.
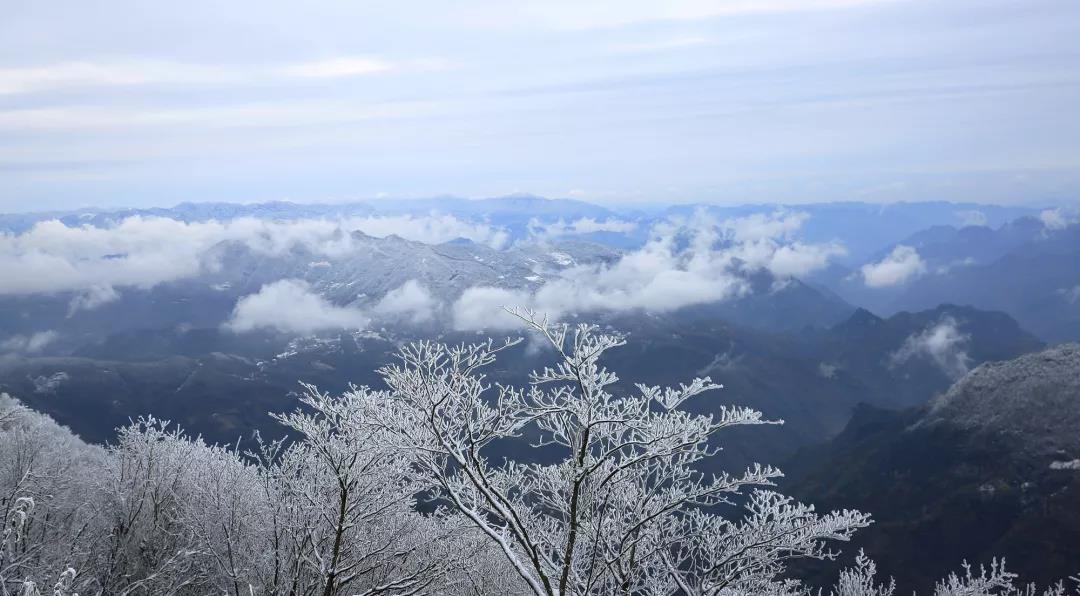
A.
pixel 943 343
pixel 290 306
pixel 902 264
pixel 569 15
pixel 338 67
pixel 765 226
pixel 98 74
pixel 766 241
pixel 483 308
pixel 429 229
pixel 412 302
pixel 28 344
pixel 685 262
pixel 954 264
pixel 972 217
pixel 584 225
pixel 143 252
pixel 253 114
pixel 52 257
pixel 153 116
pixel 661 45
pixel 135 72
pixel 827 370
pixel 1071 295
pixel 798 259
pixel 94 297
pixel 1056 219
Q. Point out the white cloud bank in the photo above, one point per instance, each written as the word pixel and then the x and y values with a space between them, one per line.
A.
pixel 289 305
pixel 293 306
pixel 943 343
pixel 412 302
pixel 901 265
pixel 685 262
pixel 143 252
pixel 688 262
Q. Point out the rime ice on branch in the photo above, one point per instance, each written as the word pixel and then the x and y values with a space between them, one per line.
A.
pixel 624 510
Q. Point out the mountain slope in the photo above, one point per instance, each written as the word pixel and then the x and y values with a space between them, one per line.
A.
pixel 907 358
pixel 989 468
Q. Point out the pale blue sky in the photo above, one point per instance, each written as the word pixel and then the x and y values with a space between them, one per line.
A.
pixel 621 101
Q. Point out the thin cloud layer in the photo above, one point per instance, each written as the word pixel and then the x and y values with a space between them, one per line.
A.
pixel 83 74
pixel 942 343
pixel 94 297
pixel 28 344
pixel 901 265
pixel 829 100
pixel 584 225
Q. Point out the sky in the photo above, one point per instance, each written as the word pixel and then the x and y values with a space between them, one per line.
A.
pixel 130 103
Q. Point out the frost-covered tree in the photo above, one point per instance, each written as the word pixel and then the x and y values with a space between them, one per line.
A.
pixel 342 509
pixel 624 509
pixel 861 580
pixel 993 581
pixel 47 500
pixel 159 512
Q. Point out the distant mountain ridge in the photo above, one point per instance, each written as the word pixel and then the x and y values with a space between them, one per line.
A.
pixel 1023 267
pixel 513 210
pixel 864 227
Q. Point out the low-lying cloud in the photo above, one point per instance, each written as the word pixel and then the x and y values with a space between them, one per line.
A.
pixel 93 298
pixel 685 262
pixel 411 302
pixel 688 261
pixel 291 306
pixel 942 343
pixel 1057 219
pixel 901 265
pixel 972 217
pixel 294 306
pixel 584 225
pixel 142 252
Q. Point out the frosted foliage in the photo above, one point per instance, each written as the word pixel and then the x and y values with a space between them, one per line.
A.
pixel 623 510
pixel 860 580
pixel 162 513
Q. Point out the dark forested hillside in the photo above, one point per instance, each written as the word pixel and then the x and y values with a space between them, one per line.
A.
pixel 990 468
